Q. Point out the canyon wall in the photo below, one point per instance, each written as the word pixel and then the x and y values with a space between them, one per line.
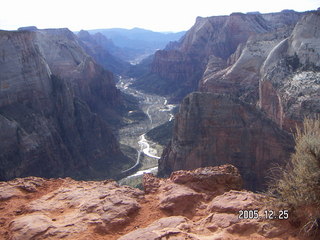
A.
pixel 240 74
pixel 276 71
pixel 289 86
pixel 212 129
pixel 97 46
pixel 251 102
pixel 178 69
pixel 55 105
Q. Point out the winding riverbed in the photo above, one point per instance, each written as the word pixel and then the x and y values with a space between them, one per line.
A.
pixel 158 111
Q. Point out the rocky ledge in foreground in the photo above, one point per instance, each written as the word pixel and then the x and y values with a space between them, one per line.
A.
pixel 199 204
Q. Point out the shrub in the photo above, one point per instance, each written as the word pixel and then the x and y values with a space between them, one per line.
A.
pixel 299 185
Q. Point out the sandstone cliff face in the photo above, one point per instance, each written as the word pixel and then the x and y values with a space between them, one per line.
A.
pixel 200 204
pixel 53 99
pixel 277 73
pixel 94 46
pixel 178 69
pixel 240 74
pixel 289 87
pixel 215 129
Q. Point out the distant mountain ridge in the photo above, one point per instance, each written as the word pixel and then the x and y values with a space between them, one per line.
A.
pixel 137 42
pixel 119 35
pixel 99 47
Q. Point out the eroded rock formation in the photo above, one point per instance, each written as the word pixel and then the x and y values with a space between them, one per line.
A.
pixel 177 70
pixel 240 74
pixel 290 87
pixel 212 129
pixel 55 102
pixel 62 208
pixel 276 72
pixel 205 205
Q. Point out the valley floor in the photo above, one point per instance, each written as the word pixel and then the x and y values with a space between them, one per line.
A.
pixel 158 112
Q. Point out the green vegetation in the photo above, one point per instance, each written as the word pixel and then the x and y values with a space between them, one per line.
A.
pixel 161 134
pixel 153 83
pixel 293 62
pixel 129 152
pixel 299 185
pixel 131 110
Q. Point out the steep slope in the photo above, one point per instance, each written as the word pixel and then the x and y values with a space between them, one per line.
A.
pixel 290 87
pixel 99 52
pixel 212 129
pixel 53 99
pixel 123 54
pixel 278 71
pixel 240 74
pixel 277 74
pixel 178 69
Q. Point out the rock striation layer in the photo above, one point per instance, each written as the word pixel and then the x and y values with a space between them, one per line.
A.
pixel 55 105
pixel 290 87
pixel 204 204
pixel 213 129
pixel 240 74
pixel 278 71
pixel 275 71
pixel 178 69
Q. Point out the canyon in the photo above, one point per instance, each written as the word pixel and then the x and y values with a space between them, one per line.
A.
pixel 178 69
pixel 267 63
pixel 257 96
pixel 133 45
pixel 57 107
pixel 74 113
pixel 98 46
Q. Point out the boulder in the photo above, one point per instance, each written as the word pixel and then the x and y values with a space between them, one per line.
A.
pixel 185 191
pixel 163 228
pixel 178 199
pixel 211 180
pixel 30 226
pixel 234 201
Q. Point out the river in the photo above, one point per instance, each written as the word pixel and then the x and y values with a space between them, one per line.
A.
pixel 159 112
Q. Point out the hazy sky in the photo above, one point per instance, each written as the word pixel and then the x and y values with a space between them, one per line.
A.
pixel 161 15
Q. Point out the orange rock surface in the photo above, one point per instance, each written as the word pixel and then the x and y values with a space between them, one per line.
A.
pixel 199 204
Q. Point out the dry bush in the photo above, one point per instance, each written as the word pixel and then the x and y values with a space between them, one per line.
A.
pixel 299 184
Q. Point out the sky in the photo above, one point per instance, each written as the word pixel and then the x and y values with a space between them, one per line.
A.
pixel 161 15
